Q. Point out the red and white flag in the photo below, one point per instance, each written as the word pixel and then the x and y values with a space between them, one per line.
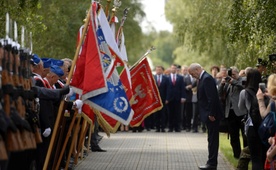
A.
pixel 119 64
pixel 88 78
pixel 145 93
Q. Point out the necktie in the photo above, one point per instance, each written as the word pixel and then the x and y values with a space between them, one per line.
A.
pixel 173 80
pixel 158 80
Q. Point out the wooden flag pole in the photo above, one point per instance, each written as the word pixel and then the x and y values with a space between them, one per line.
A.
pixel 107 7
pixel 66 141
pixel 145 55
pixel 74 138
pixel 62 102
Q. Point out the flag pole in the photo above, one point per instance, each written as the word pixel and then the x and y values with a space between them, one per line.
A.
pixel 67 82
pixel 120 30
pixel 107 7
pixel 116 4
pixel 144 56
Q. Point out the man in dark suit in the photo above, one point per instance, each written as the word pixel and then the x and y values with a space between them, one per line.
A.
pixel 175 96
pixel 210 111
pixel 162 83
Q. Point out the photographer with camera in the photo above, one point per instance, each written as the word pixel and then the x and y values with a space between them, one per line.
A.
pixel 229 90
pixel 261 66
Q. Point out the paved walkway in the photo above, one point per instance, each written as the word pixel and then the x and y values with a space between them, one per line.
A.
pixel 151 151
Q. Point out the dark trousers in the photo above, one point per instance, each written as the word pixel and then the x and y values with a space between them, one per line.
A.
pixel 213 142
pixel 94 142
pixel 42 150
pixel 234 127
pixel 183 116
pixel 149 122
pixel 160 118
pixel 257 149
pixel 195 116
pixel 174 107
pixel 189 114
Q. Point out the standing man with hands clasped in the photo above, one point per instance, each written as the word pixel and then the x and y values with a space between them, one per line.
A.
pixel 175 96
pixel 209 110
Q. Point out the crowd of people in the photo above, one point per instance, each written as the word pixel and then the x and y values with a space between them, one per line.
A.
pixel 31 97
pixel 193 101
pixel 190 105
pixel 52 74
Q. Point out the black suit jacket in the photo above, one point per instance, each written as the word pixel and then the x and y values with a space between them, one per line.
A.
pixel 46 114
pixel 163 87
pixel 208 99
pixel 189 92
pixel 177 91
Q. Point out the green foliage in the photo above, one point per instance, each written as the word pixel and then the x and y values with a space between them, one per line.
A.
pixel 226 149
pixel 23 12
pixel 54 24
pixel 253 26
pixel 201 27
pixel 209 32
pixel 226 32
pixel 165 44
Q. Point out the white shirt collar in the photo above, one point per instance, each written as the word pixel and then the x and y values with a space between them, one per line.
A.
pixel 201 74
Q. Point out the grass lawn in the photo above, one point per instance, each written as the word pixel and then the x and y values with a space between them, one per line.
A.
pixel 226 149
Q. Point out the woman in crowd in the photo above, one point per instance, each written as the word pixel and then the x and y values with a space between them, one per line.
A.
pixel 249 103
pixel 271 92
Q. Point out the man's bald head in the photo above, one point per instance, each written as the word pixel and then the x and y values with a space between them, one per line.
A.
pixel 195 70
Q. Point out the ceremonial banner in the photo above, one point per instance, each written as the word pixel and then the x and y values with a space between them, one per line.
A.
pixel 125 76
pixel 114 50
pixel 106 121
pixel 110 124
pixel 107 59
pixel 123 73
pixel 113 22
pixel 121 45
pixel 145 93
pixel 114 103
pixel 86 109
pixel 88 62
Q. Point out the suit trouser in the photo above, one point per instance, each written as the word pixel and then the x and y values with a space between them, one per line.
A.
pixel 174 107
pixel 160 118
pixel 42 150
pixel 150 121
pixel 234 127
pixel 183 115
pixel 213 142
pixel 195 116
pixel 188 114
pixel 94 142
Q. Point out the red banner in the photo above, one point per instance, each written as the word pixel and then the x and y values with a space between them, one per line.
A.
pixel 88 78
pixel 86 109
pixel 146 98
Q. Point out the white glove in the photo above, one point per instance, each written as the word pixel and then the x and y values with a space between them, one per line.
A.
pixel 78 103
pixel 47 132
pixel 71 92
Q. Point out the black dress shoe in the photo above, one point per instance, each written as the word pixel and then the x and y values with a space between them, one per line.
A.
pixel 170 130
pixel 163 130
pixel 97 149
pixel 207 167
pixel 158 130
